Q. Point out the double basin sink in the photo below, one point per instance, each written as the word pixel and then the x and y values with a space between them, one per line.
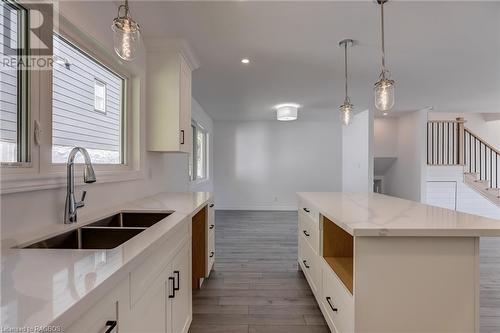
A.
pixel 106 233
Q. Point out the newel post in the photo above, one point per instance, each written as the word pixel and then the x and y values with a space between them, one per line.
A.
pixel 460 141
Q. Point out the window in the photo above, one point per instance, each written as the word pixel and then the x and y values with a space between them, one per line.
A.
pixel 198 166
pixel 99 96
pixel 76 95
pixel 14 143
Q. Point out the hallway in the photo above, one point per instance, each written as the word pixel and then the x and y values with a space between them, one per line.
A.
pixel 255 286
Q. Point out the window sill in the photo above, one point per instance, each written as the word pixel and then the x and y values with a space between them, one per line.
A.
pixel 27 183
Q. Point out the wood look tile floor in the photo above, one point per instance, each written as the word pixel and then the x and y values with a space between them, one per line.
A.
pixel 257 287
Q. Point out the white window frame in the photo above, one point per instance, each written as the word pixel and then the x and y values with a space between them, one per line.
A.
pixel 100 84
pixel 192 177
pixel 24 146
pixel 41 173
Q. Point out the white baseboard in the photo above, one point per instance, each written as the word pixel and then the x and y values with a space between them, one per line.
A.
pixel 255 207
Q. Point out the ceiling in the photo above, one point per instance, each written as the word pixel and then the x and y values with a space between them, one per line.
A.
pixel 441 54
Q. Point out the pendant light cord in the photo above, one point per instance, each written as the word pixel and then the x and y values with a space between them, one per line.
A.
pixel 383 37
pixel 345 71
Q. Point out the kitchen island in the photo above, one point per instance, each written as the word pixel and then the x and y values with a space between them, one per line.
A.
pixel 381 264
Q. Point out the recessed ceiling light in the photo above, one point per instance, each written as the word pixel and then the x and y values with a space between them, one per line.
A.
pixel 287 112
pixel 245 61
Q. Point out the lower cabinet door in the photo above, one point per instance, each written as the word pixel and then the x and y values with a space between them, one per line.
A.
pixel 180 303
pixel 308 261
pixel 149 313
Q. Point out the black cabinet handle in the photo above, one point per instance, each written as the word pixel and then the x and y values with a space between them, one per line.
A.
pixel 305 263
pixel 110 324
pixel 328 300
pixel 171 278
pixel 211 254
pixel 211 205
pixel 307 210
pixel 182 137
pixel 211 226
pixel 178 280
pixel 305 233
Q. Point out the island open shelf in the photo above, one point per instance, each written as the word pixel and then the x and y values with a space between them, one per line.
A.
pixel 338 251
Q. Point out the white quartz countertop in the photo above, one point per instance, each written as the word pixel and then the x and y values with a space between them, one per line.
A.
pixel 372 214
pixel 42 287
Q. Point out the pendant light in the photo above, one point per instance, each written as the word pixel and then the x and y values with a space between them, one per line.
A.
pixel 346 109
pixel 126 33
pixel 384 88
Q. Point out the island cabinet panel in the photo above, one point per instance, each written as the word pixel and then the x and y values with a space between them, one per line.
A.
pixel 309 262
pixel 309 228
pixel 337 302
pixel 417 284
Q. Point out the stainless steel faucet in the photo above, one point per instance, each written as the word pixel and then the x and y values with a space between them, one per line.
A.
pixel 72 206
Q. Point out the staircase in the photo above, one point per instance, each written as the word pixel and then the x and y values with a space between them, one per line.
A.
pixel 451 143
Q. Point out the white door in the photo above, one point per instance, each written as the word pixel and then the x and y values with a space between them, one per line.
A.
pixel 442 194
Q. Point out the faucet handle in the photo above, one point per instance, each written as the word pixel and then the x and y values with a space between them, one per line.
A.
pixel 82 203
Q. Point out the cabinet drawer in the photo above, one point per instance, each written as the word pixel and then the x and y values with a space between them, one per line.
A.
pixel 105 313
pixel 335 296
pixel 308 210
pixel 310 230
pixel 309 262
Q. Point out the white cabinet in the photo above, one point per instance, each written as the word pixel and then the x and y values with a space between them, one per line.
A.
pixel 168 102
pixel 155 296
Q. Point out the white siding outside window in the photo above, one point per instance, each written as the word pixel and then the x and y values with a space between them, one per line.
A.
pixel 76 97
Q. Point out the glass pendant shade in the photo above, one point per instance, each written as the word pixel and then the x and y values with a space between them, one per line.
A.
pixel 384 88
pixel 384 95
pixel 126 35
pixel 346 113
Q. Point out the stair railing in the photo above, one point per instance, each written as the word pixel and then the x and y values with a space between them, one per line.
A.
pixel 450 143
pixel 445 142
pixel 482 158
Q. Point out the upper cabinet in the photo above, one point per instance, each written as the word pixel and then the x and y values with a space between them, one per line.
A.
pixel 169 67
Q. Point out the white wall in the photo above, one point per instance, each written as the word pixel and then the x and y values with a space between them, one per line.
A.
pixel 357 154
pixel 406 177
pixel 28 211
pixel 488 130
pixel 447 189
pixel 199 115
pixel 261 164
pixel 384 131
